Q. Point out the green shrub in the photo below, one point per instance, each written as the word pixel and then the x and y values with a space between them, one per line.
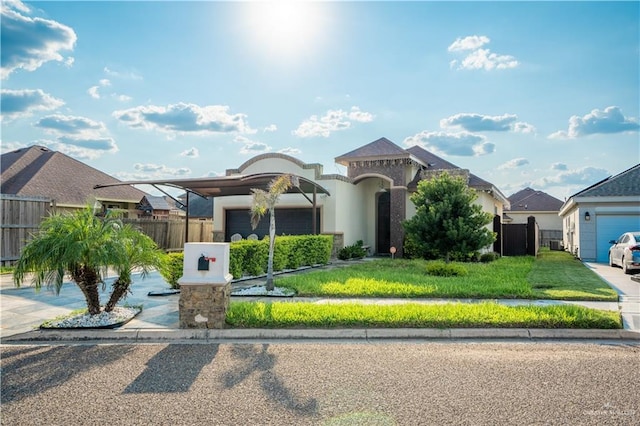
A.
pixel 171 268
pixel 489 257
pixel 441 269
pixel 355 251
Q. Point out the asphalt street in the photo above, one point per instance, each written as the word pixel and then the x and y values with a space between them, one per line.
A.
pixel 452 383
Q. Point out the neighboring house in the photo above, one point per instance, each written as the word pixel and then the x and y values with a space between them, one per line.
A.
pixel 368 204
pixel 37 171
pixel 544 207
pixel 159 208
pixel 601 213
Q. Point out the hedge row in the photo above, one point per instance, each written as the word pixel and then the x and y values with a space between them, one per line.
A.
pixel 250 257
pixel 291 252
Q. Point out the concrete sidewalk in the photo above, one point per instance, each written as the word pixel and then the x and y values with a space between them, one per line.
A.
pixel 23 310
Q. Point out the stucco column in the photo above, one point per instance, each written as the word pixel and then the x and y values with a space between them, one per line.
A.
pixel 398 215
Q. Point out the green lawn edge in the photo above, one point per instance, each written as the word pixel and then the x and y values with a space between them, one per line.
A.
pixel 413 315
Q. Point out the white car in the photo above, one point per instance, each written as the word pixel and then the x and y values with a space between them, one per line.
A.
pixel 625 252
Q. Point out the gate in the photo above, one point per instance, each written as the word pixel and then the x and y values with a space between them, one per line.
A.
pixel 520 239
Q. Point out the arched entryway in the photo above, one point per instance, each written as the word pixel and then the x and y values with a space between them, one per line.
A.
pixel 383 222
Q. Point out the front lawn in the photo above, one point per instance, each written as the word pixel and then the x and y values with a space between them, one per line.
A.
pixel 414 315
pixel 551 275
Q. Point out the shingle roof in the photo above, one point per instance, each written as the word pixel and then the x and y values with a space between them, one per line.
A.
pixel 529 199
pixel 626 183
pixel 38 171
pixel 435 162
pixel 382 147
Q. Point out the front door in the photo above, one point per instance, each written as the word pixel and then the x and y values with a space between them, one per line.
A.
pixel 383 229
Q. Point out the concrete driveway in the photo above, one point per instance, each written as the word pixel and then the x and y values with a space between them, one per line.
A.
pixel 628 291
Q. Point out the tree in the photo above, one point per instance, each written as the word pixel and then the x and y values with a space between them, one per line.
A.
pixel 447 223
pixel 263 202
pixel 84 246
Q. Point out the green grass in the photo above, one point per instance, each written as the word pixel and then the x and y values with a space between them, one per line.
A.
pixel 552 275
pixel 6 269
pixel 413 315
pixel 558 275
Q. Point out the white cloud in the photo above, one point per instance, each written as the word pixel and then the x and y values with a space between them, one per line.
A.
pixel 191 153
pixel 10 146
pixel 126 75
pixel 611 120
pixel 270 128
pixel 468 43
pixel 93 91
pixel 23 103
pixel 462 143
pixel 34 41
pixel 185 118
pixel 514 163
pixel 122 98
pixel 160 170
pixel 254 148
pixel 68 124
pixel 76 149
pixel 290 151
pixel 559 166
pixel 582 177
pixel 332 121
pixel 477 58
pixel 250 147
pixel 80 137
pixel 522 127
pixel 479 122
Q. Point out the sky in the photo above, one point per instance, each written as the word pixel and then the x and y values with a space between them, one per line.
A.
pixel 523 94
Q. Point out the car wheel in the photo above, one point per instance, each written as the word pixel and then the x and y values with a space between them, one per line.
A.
pixel 624 268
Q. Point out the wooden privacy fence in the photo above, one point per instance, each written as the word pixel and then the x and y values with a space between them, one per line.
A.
pixel 21 216
pixel 169 234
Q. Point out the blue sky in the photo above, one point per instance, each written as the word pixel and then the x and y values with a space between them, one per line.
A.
pixel 538 94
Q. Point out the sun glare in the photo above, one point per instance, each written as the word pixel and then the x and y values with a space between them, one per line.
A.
pixel 285 28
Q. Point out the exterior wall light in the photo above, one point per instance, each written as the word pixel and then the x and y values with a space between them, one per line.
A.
pixel 587 217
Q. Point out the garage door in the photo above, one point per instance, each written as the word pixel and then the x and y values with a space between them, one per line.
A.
pixel 292 221
pixel 610 227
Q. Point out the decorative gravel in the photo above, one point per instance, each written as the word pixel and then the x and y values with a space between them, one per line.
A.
pixel 103 319
pixel 260 290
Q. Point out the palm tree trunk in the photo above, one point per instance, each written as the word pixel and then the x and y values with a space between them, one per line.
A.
pixel 120 288
pixel 87 279
pixel 272 241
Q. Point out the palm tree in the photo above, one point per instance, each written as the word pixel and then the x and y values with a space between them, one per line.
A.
pixel 264 201
pixel 141 254
pixel 83 246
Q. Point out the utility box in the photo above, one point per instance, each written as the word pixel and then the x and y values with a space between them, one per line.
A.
pixel 205 285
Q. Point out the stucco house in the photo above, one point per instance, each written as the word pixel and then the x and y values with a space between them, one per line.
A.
pixel 369 203
pixel 601 213
pixel 37 171
pixel 544 207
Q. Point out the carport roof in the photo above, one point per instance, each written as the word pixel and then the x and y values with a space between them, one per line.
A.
pixel 228 185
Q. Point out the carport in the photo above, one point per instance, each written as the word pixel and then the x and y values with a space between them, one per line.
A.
pixel 223 186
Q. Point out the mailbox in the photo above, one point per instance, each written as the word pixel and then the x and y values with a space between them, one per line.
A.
pixel 206 263
pixel 203 263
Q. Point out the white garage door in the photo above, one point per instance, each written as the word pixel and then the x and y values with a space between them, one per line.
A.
pixel 610 227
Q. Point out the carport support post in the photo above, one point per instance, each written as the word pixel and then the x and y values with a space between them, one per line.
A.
pixel 205 286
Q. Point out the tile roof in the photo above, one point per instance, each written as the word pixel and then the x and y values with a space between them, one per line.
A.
pixel 623 184
pixel 39 171
pixel 157 202
pixel 529 199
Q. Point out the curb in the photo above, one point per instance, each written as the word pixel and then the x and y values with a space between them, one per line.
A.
pixel 148 335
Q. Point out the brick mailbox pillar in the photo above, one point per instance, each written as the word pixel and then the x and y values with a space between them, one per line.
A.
pixel 205 285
